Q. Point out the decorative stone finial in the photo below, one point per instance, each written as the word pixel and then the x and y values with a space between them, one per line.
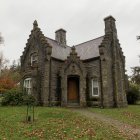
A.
pixel 35 23
pixel 73 51
pixel 73 48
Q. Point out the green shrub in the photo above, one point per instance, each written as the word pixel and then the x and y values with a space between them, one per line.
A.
pixel 133 94
pixel 17 97
pixel 12 97
pixel 0 99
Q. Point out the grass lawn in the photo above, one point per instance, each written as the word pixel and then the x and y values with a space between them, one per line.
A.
pixel 130 115
pixel 52 124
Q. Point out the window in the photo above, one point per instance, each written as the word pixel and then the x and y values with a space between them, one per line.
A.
pixel 28 85
pixel 33 59
pixel 95 87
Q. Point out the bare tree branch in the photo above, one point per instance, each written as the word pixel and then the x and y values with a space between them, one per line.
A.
pixel 1 39
pixel 3 62
pixel 138 37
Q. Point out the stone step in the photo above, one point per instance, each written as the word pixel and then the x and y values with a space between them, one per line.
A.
pixel 73 105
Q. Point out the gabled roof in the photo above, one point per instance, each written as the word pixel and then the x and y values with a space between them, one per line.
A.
pixel 89 49
pixel 35 33
pixel 86 50
pixel 58 51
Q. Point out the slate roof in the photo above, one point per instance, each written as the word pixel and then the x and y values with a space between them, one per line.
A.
pixel 58 51
pixel 86 50
pixel 89 49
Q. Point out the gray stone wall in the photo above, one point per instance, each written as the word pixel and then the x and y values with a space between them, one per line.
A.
pixel 92 68
pixel 39 72
pixel 28 71
pixel 93 72
pixel 55 89
pixel 106 72
pixel 112 67
pixel 120 74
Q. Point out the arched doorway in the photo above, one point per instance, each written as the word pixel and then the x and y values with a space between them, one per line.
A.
pixel 73 90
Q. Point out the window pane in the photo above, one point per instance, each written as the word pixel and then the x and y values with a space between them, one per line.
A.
pixel 95 87
pixel 95 83
pixel 95 91
pixel 34 58
pixel 27 85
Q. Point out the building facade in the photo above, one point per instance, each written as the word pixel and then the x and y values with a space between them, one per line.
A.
pixel 87 74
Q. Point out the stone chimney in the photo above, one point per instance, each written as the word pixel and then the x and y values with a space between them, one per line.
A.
pixel 110 26
pixel 60 37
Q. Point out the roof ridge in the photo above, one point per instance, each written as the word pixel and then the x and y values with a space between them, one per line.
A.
pixel 88 41
pixel 51 39
pixel 56 41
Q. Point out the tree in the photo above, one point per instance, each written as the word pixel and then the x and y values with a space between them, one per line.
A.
pixel 6 83
pixel 3 62
pixel 1 39
pixel 15 71
pixel 133 94
pixel 10 77
pixel 138 37
pixel 135 78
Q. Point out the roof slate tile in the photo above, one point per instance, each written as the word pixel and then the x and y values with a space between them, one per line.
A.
pixel 86 50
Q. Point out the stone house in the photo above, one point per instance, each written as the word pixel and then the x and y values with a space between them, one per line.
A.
pixel 87 74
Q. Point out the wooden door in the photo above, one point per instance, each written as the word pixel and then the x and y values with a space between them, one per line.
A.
pixel 73 89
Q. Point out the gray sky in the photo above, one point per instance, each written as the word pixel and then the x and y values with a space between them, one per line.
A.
pixel 82 19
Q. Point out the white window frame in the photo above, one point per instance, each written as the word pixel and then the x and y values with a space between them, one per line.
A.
pixel 95 86
pixel 33 58
pixel 28 85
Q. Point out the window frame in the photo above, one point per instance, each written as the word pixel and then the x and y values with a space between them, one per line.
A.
pixel 33 58
pixel 28 85
pixel 95 86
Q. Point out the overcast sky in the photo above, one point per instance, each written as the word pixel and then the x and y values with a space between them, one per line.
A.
pixel 82 19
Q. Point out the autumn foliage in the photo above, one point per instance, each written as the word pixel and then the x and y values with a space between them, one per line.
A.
pixel 6 83
pixel 9 77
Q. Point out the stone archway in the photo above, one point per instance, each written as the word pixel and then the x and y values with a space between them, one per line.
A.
pixel 73 68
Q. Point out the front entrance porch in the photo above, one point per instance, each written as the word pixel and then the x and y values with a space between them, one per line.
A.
pixel 73 81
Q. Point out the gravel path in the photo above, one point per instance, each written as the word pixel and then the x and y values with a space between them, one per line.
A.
pixel 129 131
